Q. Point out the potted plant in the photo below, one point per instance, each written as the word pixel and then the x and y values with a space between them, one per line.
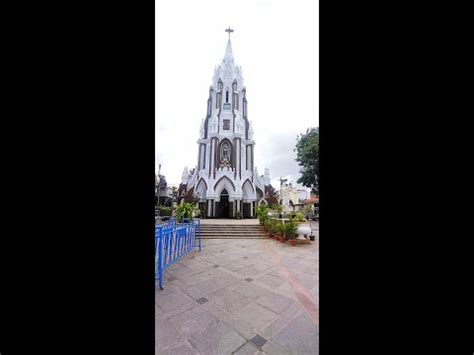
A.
pixel 262 214
pixel 299 218
pixel 273 228
pixel 281 232
pixel 267 227
pixel 290 232
pixel 238 215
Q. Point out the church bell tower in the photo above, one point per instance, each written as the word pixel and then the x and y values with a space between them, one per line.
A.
pixel 225 179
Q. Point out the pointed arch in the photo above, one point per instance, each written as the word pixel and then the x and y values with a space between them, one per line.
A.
pixel 201 188
pixel 224 183
pixel 248 192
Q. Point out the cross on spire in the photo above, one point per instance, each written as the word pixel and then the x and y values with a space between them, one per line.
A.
pixel 230 31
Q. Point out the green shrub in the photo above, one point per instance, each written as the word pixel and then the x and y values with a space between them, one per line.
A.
pixel 299 217
pixel 262 214
pixel 308 209
pixel 281 228
pixel 185 210
pixel 273 226
pixel 290 229
pixel 277 208
pixel 164 211
pixel 267 225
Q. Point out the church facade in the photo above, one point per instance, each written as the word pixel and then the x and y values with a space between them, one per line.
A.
pixel 225 179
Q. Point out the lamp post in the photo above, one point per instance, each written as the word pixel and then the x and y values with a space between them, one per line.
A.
pixel 158 181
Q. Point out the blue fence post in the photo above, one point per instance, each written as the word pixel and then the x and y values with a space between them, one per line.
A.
pixel 160 257
pixel 172 242
pixel 198 231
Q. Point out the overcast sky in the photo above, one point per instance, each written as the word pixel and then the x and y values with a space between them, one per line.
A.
pixel 276 42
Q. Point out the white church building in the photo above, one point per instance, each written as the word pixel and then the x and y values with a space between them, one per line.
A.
pixel 225 179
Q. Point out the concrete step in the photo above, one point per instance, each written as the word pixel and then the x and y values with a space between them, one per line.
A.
pixel 236 231
pixel 233 230
pixel 202 238
pixel 234 235
pixel 231 227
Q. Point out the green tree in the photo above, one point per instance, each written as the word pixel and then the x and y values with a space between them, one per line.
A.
pixel 307 156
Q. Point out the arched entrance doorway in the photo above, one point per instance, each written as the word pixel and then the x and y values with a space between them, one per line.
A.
pixel 224 204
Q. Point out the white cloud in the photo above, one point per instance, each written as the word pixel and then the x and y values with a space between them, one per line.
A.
pixel 276 44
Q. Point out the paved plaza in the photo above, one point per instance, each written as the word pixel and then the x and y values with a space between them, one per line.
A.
pixel 240 297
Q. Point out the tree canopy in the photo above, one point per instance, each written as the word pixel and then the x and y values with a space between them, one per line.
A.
pixel 307 156
pixel 271 195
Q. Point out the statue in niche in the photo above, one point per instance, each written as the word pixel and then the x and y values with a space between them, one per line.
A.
pixel 225 155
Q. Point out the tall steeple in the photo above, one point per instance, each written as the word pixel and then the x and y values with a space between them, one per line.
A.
pixel 227 70
pixel 225 177
pixel 228 57
pixel 228 64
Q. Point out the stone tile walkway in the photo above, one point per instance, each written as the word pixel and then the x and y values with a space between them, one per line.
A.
pixel 240 297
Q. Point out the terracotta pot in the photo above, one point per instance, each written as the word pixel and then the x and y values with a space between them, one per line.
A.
pixel 293 242
pixel 282 239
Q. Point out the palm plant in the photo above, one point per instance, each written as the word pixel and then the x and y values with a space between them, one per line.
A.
pixel 273 227
pixel 298 217
pixel 281 229
pixel 185 210
pixel 290 230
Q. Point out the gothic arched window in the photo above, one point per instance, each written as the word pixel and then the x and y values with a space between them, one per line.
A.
pixel 227 97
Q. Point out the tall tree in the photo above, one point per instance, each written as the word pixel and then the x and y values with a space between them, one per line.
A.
pixel 271 195
pixel 307 156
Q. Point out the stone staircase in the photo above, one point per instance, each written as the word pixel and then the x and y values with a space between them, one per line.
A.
pixel 232 231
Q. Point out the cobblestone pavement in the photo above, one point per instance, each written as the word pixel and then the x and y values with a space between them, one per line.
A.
pixel 240 297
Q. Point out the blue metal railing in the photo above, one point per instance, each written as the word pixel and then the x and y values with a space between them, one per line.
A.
pixel 172 242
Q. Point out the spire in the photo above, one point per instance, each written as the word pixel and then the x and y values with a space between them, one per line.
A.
pixel 228 57
pixel 227 71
